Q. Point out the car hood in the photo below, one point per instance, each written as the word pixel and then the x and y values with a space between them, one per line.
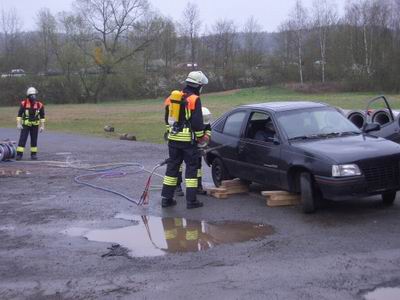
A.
pixel 350 148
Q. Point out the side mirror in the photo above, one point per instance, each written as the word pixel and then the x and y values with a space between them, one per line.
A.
pixel 371 127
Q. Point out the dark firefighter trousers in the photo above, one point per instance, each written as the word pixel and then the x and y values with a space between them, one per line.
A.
pixel 199 173
pixel 181 152
pixel 33 131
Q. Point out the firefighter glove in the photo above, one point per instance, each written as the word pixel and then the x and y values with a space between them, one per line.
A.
pixel 41 128
pixel 19 124
pixel 203 141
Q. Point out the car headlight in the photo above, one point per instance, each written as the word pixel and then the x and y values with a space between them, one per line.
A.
pixel 345 170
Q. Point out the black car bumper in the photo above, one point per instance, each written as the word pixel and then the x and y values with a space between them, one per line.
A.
pixel 339 189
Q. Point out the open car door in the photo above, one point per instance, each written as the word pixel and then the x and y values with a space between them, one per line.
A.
pixel 390 127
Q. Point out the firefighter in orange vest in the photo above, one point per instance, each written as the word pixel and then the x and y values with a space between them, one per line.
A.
pixel 178 190
pixel 186 130
pixel 30 121
pixel 207 129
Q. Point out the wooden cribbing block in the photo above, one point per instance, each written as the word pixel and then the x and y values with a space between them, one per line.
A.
pixel 232 183
pixel 235 186
pixel 219 193
pixel 228 187
pixel 269 193
pixel 284 198
pixel 281 198
pixel 237 190
pixel 276 203
pixel 216 190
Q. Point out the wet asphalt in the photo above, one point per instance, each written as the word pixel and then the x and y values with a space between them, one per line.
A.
pixel 341 252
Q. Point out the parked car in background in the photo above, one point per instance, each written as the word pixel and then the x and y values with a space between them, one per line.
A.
pixel 14 73
pixel 304 147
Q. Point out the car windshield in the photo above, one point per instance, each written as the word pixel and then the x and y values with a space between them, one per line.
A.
pixel 315 123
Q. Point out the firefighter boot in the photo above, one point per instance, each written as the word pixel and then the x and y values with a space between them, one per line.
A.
pixel 33 156
pixel 179 192
pixel 194 204
pixel 167 202
pixel 19 156
pixel 200 190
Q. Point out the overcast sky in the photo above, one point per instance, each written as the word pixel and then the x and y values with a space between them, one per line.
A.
pixel 269 13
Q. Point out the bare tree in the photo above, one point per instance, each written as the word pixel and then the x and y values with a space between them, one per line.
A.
pixel 284 49
pixel 169 40
pixel 252 48
pixel 10 26
pixel 324 18
pixel 368 22
pixel 298 24
pixel 191 25
pixel 225 34
pixel 101 26
pixel 223 48
pixel 47 29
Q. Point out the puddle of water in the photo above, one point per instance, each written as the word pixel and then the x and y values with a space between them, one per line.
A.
pixel 387 293
pixel 154 236
pixel 13 172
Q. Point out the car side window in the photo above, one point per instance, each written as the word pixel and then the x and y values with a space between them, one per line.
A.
pixel 233 124
pixel 260 127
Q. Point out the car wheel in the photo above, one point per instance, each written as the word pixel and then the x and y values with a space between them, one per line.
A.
pixel 219 172
pixel 308 197
pixel 389 197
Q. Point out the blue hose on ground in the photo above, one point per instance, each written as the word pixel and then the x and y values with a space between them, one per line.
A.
pixel 107 172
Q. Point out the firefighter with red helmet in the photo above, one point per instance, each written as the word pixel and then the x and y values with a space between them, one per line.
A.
pixel 30 121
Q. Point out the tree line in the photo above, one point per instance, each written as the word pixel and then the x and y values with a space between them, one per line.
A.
pixel 123 49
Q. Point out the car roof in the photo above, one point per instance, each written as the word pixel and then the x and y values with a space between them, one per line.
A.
pixel 285 106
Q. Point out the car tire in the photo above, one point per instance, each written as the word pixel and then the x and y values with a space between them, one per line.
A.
pixel 308 197
pixel 389 197
pixel 219 172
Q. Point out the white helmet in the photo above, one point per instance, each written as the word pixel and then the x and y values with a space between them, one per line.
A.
pixel 197 77
pixel 31 91
pixel 206 115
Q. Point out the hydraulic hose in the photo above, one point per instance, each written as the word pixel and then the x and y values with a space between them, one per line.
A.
pixel 78 180
pixel 144 199
pixel 8 150
pixel 108 171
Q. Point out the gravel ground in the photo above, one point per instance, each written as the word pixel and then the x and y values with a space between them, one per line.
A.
pixel 339 253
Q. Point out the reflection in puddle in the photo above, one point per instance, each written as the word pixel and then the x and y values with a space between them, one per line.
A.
pixel 154 236
pixel 13 172
pixel 388 293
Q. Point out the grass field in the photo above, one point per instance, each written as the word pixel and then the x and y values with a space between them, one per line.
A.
pixel 144 118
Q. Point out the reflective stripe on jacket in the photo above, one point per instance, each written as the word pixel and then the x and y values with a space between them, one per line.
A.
pixel 185 134
pixel 31 114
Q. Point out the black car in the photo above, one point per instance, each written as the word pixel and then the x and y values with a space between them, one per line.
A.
pixel 303 147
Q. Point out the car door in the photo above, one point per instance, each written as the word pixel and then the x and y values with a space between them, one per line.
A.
pixel 231 132
pixel 260 156
pixel 390 129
